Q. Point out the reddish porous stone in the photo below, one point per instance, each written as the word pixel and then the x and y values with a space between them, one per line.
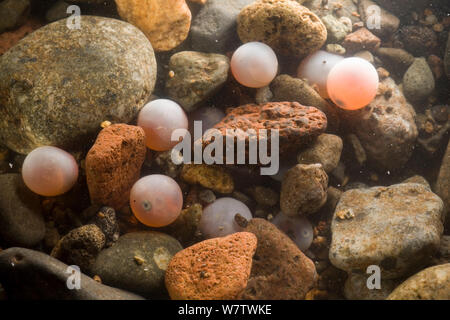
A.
pixel 214 269
pixel 113 164
pixel 297 124
pixel 280 271
pixel 361 39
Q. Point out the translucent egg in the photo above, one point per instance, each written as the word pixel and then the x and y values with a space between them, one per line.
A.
pixel 159 119
pixel 254 65
pixel 299 229
pixel 218 218
pixel 49 171
pixel 209 116
pixel 156 200
pixel 352 84
pixel 316 67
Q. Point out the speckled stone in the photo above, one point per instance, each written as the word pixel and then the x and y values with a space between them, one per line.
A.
pixel 397 228
pixel 297 124
pixel 214 269
pixel 303 190
pixel 326 150
pixel 137 262
pixel 58 85
pixel 355 287
pixel 338 8
pixel 396 60
pixel 361 39
pixel 114 164
pixel 80 246
pixel 432 283
pixel 27 275
pixel 196 77
pixel 386 127
pixel 280 271
pixel 418 40
pixel 21 220
pixel 165 23
pixel 418 81
pixel 286 26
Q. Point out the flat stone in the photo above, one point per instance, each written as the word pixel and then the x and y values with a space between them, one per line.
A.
pixel 114 164
pixel 397 228
pixel 214 269
pixel 90 80
pixel 28 275
pixel 137 262
pixel 21 220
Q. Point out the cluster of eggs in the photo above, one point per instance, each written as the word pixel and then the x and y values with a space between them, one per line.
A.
pixel 157 200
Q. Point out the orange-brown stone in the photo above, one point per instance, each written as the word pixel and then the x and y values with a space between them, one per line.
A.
pixel 214 269
pixel 113 164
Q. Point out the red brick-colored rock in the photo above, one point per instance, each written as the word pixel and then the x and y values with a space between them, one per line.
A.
pixel 297 124
pixel 280 271
pixel 113 164
pixel 361 39
pixel 214 269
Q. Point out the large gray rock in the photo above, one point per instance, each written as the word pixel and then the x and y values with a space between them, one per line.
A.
pixel 215 25
pixel 21 220
pixel 397 228
pixel 386 127
pixel 196 77
pixel 430 284
pixel 58 85
pixel 31 275
pixel 137 262
pixel 418 81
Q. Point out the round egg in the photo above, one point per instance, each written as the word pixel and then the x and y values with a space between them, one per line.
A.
pixel 254 65
pixel 156 200
pixel 159 119
pixel 49 171
pixel 299 229
pixel 352 84
pixel 218 218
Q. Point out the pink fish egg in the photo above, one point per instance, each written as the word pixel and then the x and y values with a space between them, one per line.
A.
pixel 299 229
pixel 315 69
pixel 352 84
pixel 254 65
pixel 49 171
pixel 218 218
pixel 156 200
pixel 159 119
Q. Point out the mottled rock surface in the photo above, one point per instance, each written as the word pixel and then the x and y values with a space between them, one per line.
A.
pixel 165 23
pixel 9 38
pixel 429 284
pixel 114 163
pixel 64 102
pixel 361 39
pixel 303 189
pixel 213 177
pixel 137 262
pixel 326 150
pixel 297 124
pixel 286 26
pixel 418 40
pixel 196 77
pixel 418 81
pixel 389 23
pixel 396 60
pixel 386 127
pixel 21 220
pixel 355 288
pixel 28 275
pixel 397 228
pixel 280 271
pixel 214 269
pixel 13 13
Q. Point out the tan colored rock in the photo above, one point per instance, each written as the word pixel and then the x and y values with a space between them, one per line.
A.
pixel 361 39
pixel 166 23
pixel 214 269
pixel 113 164
pixel 212 177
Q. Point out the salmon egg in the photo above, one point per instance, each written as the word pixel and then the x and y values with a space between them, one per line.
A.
pixel 254 65
pixel 315 69
pixel 352 84
pixel 49 171
pixel 159 119
pixel 156 200
pixel 299 229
